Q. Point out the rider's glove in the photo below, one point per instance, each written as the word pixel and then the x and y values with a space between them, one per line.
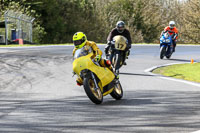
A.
pixel 98 58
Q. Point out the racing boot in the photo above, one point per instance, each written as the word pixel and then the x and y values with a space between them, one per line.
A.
pixel 127 54
pixel 79 81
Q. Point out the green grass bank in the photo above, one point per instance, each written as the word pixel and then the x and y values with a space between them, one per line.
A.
pixel 188 71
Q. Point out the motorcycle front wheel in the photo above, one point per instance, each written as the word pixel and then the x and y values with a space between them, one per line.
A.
pixel 162 52
pixel 170 52
pixel 117 62
pixel 117 92
pixel 95 95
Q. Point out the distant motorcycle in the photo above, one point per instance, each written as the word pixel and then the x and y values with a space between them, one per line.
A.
pixel 117 53
pixel 166 46
pixel 97 81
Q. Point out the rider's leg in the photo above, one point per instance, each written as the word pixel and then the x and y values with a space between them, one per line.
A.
pixel 124 58
pixel 174 45
pixel 126 54
pixel 107 63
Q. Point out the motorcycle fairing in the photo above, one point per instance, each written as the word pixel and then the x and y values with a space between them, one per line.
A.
pixel 102 73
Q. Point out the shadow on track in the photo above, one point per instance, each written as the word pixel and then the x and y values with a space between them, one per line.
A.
pixel 181 60
pixel 138 109
pixel 137 74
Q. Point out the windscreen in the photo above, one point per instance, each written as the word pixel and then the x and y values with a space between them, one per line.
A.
pixel 82 52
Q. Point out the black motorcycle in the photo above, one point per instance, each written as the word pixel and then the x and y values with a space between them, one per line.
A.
pixel 117 53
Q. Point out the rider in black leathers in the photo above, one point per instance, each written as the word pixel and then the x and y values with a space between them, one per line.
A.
pixel 119 30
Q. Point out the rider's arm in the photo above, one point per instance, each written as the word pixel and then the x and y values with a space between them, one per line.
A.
pixel 110 36
pixel 176 33
pixel 129 39
pixel 166 28
pixel 74 50
pixel 175 37
pixel 95 48
pixel 162 33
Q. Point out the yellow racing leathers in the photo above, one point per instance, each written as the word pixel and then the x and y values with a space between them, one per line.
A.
pixel 96 51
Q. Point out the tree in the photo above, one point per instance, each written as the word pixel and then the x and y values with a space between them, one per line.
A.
pixel 191 19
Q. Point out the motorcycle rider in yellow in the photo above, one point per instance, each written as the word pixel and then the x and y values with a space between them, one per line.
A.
pixel 80 40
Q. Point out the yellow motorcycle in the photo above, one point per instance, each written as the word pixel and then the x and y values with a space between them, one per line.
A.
pixel 97 81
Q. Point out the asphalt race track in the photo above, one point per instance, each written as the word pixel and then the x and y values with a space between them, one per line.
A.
pixel 39 94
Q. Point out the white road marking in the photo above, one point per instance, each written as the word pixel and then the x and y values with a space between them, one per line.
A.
pixel 196 131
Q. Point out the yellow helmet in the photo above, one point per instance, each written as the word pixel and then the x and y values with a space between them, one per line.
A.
pixel 79 39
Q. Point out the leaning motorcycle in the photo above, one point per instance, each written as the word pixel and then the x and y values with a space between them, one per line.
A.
pixel 117 54
pixel 97 81
pixel 166 46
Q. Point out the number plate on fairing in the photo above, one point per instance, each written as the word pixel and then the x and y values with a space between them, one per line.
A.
pixel 120 42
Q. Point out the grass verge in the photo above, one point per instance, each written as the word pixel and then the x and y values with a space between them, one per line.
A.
pixel 189 72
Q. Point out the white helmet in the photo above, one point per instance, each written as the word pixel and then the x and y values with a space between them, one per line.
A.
pixel 171 24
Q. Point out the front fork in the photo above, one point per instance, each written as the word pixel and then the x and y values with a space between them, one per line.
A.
pixel 95 82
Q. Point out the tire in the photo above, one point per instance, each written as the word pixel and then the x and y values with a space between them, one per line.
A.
pixel 113 62
pixel 169 50
pixel 168 57
pixel 162 52
pixel 113 59
pixel 117 61
pixel 117 92
pixel 95 96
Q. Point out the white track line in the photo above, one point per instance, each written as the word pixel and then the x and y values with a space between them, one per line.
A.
pixel 196 131
pixel 149 71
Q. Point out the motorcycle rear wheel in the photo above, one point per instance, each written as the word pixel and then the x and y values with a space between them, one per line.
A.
pixel 117 92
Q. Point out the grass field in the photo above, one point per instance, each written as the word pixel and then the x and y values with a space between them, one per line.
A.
pixel 189 72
